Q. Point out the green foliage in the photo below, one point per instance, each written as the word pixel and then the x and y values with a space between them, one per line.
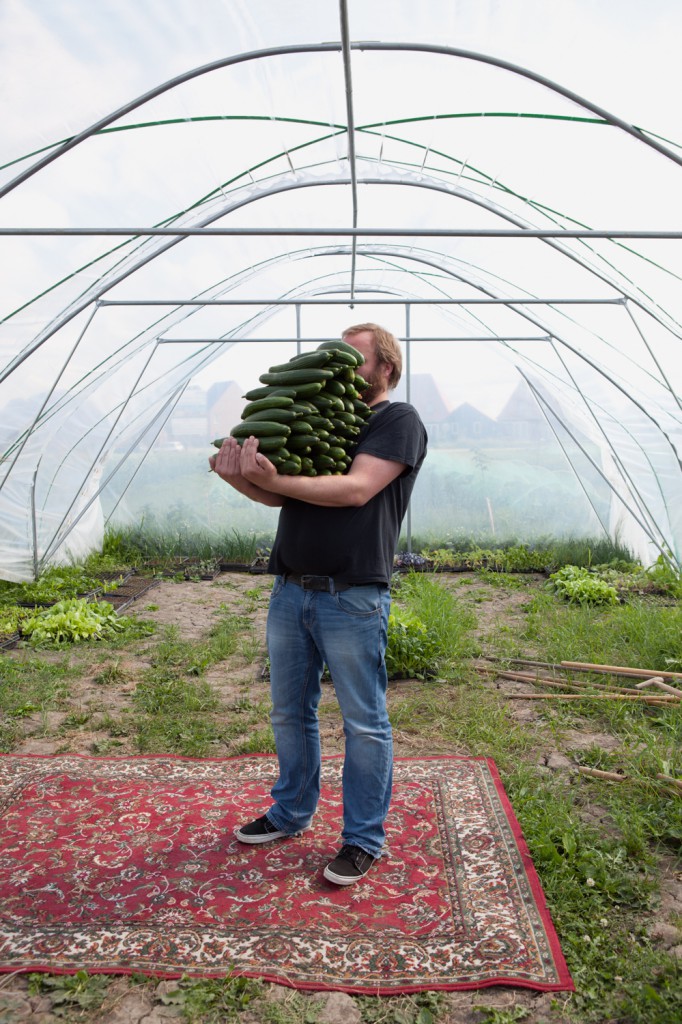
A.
pixel 177 710
pixel 176 535
pixel 449 623
pixel 72 621
pixel 55 584
pixel 411 652
pixel 11 617
pixel 70 993
pixel 29 687
pixel 420 1008
pixel 213 1000
pixel 579 586
pixel 638 634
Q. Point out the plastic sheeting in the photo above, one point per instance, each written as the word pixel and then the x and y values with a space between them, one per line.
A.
pixel 360 160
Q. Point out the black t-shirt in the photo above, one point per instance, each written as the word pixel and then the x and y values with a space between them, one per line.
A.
pixel 356 545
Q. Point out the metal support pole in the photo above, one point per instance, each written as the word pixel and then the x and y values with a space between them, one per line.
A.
pixel 408 371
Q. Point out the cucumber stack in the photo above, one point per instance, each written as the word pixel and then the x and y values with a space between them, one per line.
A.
pixel 308 414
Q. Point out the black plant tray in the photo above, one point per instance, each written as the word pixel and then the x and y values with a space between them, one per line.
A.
pixel 9 640
pixel 128 592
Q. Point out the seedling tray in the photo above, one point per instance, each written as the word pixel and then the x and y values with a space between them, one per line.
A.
pixel 130 591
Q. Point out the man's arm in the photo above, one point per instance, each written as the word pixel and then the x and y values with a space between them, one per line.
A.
pixel 366 477
pixel 227 464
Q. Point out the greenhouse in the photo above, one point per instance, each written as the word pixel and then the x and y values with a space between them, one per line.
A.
pixel 191 197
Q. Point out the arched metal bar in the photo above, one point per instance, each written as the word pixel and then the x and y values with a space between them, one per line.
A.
pixel 281 51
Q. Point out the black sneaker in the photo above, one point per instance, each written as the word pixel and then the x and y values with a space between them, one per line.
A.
pixel 350 865
pixel 262 830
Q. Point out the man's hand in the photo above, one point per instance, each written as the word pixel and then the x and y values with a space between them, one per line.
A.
pixel 227 462
pixel 230 464
pixel 255 467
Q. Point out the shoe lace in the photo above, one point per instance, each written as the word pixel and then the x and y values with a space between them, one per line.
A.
pixel 351 853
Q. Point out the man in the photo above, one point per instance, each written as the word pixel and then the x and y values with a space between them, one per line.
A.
pixel 332 559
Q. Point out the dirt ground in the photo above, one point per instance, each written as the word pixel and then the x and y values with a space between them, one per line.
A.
pixel 189 607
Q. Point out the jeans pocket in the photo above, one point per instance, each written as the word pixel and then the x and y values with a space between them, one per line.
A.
pixel 364 601
pixel 277 587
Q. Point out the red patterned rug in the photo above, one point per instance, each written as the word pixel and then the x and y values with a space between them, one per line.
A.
pixel 130 865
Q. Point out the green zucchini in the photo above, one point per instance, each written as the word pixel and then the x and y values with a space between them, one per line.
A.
pixel 343 346
pixel 267 444
pixel 303 408
pixel 343 358
pixel 278 457
pixel 303 361
pixel 334 387
pixel 271 402
pixel 274 415
pixel 260 428
pixel 289 468
pixel 301 426
pixel 293 377
pixel 319 422
pixel 266 392
pixel 301 442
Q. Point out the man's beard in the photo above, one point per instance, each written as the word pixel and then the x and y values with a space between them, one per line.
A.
pixel 377 386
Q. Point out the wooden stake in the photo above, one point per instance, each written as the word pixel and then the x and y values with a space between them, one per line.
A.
pixel 574 684
pixel 620 670
pixel 668 689
pixel 638 698
pixel 597 773
pixel 648 682
pixel 669 779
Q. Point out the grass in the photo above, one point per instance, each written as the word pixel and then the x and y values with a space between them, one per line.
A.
pixel 599 848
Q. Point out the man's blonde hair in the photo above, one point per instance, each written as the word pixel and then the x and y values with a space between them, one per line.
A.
pixel 386 347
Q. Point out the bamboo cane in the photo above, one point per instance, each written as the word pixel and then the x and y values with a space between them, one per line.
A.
pixel 597 773
pixel 648 682
pixel 639 699
pixel 668 689
pixel 670 780
pixel 657 681
pixel 620 670
pixel 527 677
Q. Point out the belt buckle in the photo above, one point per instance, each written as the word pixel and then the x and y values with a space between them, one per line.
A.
pixel 315 583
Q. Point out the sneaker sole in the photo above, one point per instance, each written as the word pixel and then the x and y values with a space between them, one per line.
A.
pixel 270 837
pixel 342 879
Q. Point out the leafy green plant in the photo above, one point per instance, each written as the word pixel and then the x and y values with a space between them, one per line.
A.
pixel 411 652
pixel 55 584
pixel 72 621
pixel 70 992
pixel 212 1000
pixel 11 617
pixel 579 586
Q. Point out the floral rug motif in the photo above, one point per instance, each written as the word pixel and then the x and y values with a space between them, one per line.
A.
pixel 123 865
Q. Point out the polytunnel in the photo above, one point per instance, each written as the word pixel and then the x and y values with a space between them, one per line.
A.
pixel 190 193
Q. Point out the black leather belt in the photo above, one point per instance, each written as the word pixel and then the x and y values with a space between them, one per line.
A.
pixel 323 583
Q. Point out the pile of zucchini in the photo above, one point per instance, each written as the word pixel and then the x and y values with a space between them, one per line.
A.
pixel 309 412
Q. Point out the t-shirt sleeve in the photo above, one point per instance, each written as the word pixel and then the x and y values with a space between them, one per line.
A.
pixel 397 434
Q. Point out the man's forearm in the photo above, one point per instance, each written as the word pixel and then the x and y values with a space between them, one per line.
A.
pixel 255 493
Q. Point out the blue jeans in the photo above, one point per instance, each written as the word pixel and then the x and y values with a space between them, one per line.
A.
pixel 348 631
